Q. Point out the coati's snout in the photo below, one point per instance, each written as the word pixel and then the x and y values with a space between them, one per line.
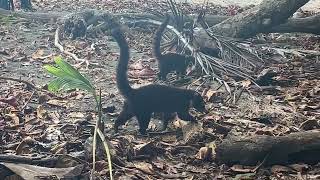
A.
pixel 198 103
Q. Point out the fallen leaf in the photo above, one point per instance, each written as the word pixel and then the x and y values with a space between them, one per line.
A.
pixel 41 112
pixel 12 101
pixel 281 169
pixel 39 54
pixel 59 103
pixel 300 167
pixel 144 167
pixel 242 169
pixel 246 83
pixel 13 118
pixel 204 153
pixel 144 73
pixel 27 171
pixel 76 115
pixel 310 124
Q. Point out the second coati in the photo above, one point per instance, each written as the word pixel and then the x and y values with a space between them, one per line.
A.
pixel 144 101
pixel 170 61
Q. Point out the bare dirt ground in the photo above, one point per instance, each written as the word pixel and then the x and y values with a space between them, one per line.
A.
pixel 61 125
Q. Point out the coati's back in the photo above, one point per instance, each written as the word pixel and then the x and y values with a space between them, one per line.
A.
pixel 161 98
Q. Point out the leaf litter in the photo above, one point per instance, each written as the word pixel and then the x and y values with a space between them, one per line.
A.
pixel 52 133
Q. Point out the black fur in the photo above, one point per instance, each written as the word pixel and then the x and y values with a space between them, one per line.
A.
pixel 144 101
pixel 170 61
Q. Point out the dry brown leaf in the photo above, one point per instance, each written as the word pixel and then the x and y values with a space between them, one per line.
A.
pixel 178 123
pixel 23 144
pixel 14 119
pixel 299 167
pixel 55 117
pixel 159 165
pixel 210 93
pixel 246 83
pixel 41 112
pixel 242 169
pixel 144 167
pixel 144 73
pixel 59 103
pixel 136 66
pixel 76 115
pixel 203 153
pixel 27 171
pixel 281 169
pixel 310 124
pixel 39 54
pixel 12 100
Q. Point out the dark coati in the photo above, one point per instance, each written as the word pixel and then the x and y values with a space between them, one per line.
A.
pixel 144 101
pixel 170 61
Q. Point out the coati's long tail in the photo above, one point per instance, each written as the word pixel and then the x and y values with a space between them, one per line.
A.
pixel 157 38
pixel 122 68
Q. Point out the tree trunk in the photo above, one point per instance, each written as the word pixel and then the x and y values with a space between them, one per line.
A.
pixel 292 148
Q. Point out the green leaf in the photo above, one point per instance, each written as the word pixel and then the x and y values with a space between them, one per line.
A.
pixel 67 77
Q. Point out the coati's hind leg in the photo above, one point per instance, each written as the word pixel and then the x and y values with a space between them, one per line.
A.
pixel 124 116
pixel 143 120
pixel 162 75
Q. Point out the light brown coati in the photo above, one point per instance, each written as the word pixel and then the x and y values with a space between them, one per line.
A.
pixel 144 101
pixel 170 61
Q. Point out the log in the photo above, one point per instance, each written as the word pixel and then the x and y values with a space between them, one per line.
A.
pixel 268 14
pixel 301 147
pixel 304 25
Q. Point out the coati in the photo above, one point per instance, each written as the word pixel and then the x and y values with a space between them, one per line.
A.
pixel 144 101
pixel 170 61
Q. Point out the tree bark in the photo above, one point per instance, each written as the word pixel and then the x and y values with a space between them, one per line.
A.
pixel 292 148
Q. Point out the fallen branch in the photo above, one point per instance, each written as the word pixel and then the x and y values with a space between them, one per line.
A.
pixel 30 85
pixel 28 159
pixel 60 47
pixel 302 147
pixel 29 99
pixel 22 81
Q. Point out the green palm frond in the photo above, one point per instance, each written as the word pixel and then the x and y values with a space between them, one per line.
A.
pixel 67 77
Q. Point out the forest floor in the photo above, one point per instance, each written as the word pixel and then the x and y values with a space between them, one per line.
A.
pixel 36 123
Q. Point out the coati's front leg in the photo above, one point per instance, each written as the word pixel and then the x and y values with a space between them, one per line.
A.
pixel 124 116
pixel 11 5
pixel 166 118
pixel 143 120
pixel 184 115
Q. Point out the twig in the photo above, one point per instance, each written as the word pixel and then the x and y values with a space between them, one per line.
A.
pixel 30 85
pixel 28 159
pixel 22 81
pixel 60 47
pixel 261 164
pixel 25 105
